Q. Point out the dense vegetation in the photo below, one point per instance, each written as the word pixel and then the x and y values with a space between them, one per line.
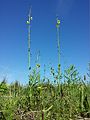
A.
pixel 63 97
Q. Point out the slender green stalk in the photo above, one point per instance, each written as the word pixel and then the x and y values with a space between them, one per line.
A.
pixel 58 45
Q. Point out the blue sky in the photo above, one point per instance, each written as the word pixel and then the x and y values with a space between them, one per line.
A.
pixel 74 35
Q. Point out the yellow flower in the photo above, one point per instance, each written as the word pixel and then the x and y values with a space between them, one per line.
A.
pixel 38 65
pixel 28 22
pixel 58 22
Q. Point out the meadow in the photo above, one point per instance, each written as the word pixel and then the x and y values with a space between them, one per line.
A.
pixel 65 97
pixel 31 29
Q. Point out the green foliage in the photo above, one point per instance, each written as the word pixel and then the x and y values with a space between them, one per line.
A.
pixel 46 100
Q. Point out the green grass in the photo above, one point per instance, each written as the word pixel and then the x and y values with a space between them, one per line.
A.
pixel 64 97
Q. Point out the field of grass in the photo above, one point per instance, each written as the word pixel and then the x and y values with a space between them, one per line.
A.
pixel 65 97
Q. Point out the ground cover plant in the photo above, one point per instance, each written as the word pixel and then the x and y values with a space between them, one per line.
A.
pixel 64 97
